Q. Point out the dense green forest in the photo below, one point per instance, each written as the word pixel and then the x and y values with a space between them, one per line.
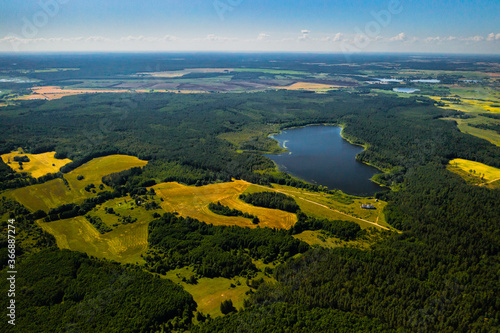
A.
pixel 215 251
pixel 272 200
pixel 440 274
pixel 63 291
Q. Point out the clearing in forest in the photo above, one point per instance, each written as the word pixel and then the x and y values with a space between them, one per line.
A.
pixel 475 172
pixel 193 201
pixel 39 164
pixel 124 244
pixel 58 191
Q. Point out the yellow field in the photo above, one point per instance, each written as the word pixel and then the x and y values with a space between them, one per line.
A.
pixel 124 244
pixel 55 193
pixel 469 105
pixel 193 202
pixel 54 92
pixel 39 164
pixel 488 173
pixel 308 86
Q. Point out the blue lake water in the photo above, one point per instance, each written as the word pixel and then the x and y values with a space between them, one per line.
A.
pixel 405 90
pixel 319 154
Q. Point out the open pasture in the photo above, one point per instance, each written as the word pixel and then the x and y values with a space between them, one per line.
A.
pixel 39 164
pixel 193 202
pixel 482 172
pixel 124 244
pixel 55 192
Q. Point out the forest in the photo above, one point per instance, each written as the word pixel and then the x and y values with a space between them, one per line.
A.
pixel 439 274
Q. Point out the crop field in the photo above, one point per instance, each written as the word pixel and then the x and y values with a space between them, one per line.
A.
pixel 193 202
pixel 481 173
pixel 469 105
pixel 124 244
pixel 309 86
pixel 55 193
pixel 341 207
pixel 39 164
pixel 53 92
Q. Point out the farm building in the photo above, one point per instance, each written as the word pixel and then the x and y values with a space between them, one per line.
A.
pixel 367 206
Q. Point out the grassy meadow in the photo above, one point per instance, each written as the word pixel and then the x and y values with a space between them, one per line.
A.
pixel 39 164
pixel 124 244
pixel 55 192
pixel 210 292
pixel 475 173
pixel 193 201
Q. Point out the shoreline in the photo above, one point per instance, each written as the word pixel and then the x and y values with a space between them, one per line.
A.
pixel 342 126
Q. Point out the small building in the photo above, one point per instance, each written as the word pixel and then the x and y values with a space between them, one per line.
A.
pixel 367 206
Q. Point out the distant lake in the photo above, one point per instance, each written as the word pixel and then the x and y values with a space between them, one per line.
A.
pixel 405 90
pixel 319 155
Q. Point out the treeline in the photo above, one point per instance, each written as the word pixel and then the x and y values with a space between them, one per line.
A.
pixel 67 211
pixel 282 317
pixel 274 200
pixel 215 250
pixel 220 209
pixel 98 224
pixel 67 291
pixel 345 230
pixel 490 127
pixel 10 179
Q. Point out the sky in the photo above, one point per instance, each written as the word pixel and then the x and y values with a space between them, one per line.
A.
pixel 332 26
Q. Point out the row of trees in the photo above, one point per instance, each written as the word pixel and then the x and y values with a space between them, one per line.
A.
pixel 274 200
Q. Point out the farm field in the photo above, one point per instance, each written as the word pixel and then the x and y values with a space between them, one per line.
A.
pixel 53 92
pixel 193 202
pixel 124 244
pixel 55 192
pixel 39 164
pixel 475 172
pixel 309 86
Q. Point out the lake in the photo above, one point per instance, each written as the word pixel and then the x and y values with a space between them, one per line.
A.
pixel 319 155
pixel 405 90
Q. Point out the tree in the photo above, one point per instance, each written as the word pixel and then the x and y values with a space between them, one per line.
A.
pixel 227 307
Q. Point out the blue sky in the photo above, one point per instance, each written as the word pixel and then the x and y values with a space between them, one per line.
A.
pixel 251 25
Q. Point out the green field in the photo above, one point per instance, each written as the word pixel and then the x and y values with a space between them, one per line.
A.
pixel 333 207
pixel 124 244
pixel 210 292
pixel 55 192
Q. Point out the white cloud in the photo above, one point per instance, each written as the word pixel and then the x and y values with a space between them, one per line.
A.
pixel 263 36
pixel 97 39
pixel 305 34
pixel 338 37
pixel 474 39
pixel 215 38
pixel 399 38
pixel 492 37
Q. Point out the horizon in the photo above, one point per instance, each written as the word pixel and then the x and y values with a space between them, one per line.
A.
pixel 231 26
